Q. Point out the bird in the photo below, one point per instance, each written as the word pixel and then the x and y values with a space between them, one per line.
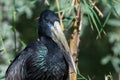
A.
pixel 48 58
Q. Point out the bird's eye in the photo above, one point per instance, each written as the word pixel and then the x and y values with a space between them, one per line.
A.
pixel 48 22
pixel 46 19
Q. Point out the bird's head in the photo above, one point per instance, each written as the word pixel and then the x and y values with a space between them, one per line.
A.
pixel 49 26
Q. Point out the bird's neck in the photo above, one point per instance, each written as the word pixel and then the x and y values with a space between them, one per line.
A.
pixel 48 42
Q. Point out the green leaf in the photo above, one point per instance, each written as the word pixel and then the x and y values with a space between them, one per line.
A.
pixel 106 59
pixel 116 62
pixel 114 22
pixel 92 16
pixel 23 43
pixel 1 50
pixel 2 77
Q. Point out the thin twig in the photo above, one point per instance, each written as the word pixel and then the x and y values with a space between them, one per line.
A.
pixel 96 8
pixel 14 26
pixel 4 48
pixel 118 76
pixel 73 3
pixel 46 2
pixel 75 40
pixel 60 16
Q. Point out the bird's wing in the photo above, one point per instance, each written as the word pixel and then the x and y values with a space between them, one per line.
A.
pixel 17 69
pixel 14 71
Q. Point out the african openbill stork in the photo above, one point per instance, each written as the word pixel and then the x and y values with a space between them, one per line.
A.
pixel 46 59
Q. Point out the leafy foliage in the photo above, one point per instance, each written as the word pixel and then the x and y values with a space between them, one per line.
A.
pixel 113 37
pixel 106 50
pixel 10 12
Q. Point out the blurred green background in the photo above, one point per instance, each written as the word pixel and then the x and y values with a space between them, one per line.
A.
pixel 98 56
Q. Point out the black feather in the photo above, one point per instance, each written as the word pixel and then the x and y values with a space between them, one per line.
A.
pixel 41 60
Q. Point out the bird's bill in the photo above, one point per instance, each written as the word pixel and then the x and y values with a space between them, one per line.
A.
pixel 59 38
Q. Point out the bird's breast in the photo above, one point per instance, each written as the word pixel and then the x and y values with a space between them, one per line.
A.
pixel 56 63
